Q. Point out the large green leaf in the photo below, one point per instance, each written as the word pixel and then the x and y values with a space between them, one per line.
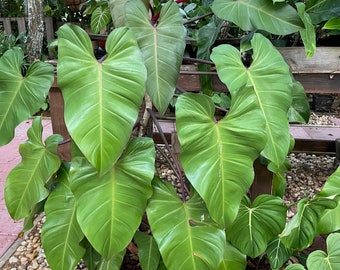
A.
pixel 148 253
pixel 330 221
pixel 269 77
pixel 25 184
pixel 20 96
pixel 162 46
pixel 101 99
pixel 322 10
pixel 301 229
pixel 257 223
pixel 110 206
pixel 278 18
pixel 233 259
pixel 319 260
pixel 218 157
pixel 307 34
pixel 277 253
pixel 186 236
pixel 100 17
pixel 61 233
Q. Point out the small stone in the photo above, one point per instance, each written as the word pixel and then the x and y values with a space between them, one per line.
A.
pixel 21 248
pixel 35 264
pixel 23 260
pixel 13 259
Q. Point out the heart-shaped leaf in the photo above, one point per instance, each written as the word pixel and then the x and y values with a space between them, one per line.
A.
pixel 280 18
pixel 270 79
pixel 301 229
pixel 162 46
pixel 186 237
pixel 21 96
pixel 101 99
pixel 61 233
pixel 218 157
pixel 257 223
pixel 330 221
pixel 110 206
pixel 25 184
pixel 321 261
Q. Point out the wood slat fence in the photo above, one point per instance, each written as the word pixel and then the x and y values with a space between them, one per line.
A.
pixel 9 24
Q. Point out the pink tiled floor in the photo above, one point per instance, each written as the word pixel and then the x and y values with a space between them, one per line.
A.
pixel 9 158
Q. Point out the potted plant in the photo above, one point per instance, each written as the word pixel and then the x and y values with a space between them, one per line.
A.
pixel 95 203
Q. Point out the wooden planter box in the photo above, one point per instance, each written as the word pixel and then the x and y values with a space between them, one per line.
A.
pixel 320 74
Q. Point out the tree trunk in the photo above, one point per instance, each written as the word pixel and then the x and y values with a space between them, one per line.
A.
pixel 35 29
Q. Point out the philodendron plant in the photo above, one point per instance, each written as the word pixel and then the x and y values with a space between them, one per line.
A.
pixel 95 203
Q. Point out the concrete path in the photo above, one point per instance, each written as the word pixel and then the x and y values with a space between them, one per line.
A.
pixel 9 158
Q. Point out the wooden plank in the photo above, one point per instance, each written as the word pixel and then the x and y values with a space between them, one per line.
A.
pixel 320 133
pixel 49 30
pixel 7 25
pixel 58 122
pixel 21 24
pixel 319 83
pixel 325 60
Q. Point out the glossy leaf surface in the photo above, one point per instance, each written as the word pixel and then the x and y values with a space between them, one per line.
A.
pixel 61 233
pixel 21 96
pixel 148 253
pixel 218 157
pixel 277 253
pixel 301 229
pixel 186 237
pixel 321 261
pixel 322 10
pixel 162 46
pixel 332 24
pixel 269 78
pixel 233 258
pixel 280 18
pixel 330 221
pixel 100 17
pixel 256 224
pixel 25 184
pixel 110 206
pixel 101 99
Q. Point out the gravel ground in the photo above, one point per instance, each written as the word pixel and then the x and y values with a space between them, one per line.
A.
pixel 306 177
